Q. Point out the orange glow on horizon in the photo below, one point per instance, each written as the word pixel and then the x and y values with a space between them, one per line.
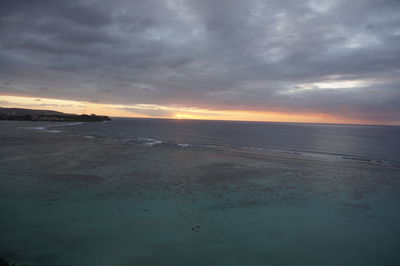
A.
pixel 185 116
pixel 171 112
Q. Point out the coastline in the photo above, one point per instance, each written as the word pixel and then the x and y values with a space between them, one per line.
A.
pixel 18 114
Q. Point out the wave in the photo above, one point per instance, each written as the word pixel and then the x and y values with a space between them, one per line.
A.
pixel 320 156
pixel 53 131
pixel 48 130
pixel 37 128
pixel 150 142
pixel 183 145
pixel 67 124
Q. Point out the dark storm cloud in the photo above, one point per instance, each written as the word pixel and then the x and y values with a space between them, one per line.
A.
pixel 335 56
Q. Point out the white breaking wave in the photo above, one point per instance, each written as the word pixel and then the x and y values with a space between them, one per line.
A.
pixel 149 142
pixel 47 128
pixel 53 131
pixel 183 145
pixel 37 128
pixel 67 124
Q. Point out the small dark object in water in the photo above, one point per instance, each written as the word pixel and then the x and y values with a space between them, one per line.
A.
pixel 197 228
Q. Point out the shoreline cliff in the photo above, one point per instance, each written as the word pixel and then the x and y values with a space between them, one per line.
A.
pixel 19 114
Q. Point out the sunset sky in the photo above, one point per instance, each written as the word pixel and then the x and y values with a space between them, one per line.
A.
pixel 333 61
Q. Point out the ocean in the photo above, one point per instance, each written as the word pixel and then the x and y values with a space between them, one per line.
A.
pixel 187 192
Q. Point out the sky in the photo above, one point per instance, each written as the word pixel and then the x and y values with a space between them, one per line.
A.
pixel 333 61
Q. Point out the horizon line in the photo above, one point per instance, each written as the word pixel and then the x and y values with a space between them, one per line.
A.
pixel 155 111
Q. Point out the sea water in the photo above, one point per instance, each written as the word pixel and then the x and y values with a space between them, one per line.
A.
pixel 182 192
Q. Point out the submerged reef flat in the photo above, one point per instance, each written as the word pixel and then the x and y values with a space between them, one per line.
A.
pixel 70 200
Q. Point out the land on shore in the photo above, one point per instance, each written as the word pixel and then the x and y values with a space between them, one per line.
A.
pixel 20 114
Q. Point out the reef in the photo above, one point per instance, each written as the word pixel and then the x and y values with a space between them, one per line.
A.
pixel 4 262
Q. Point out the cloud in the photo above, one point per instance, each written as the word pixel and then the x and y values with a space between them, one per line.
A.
pixel 221 55
pixel 153 112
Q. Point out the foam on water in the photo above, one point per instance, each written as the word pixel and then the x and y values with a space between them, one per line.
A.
pixel 53 131
pixel 183 145
pixel 326 142
pixel 150 142
pixel 52 125
pixel 38 128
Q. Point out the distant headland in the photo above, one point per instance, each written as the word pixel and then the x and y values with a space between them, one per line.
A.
pixel 20 114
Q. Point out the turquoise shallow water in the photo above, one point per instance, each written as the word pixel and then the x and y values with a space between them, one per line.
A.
pixel 66 199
